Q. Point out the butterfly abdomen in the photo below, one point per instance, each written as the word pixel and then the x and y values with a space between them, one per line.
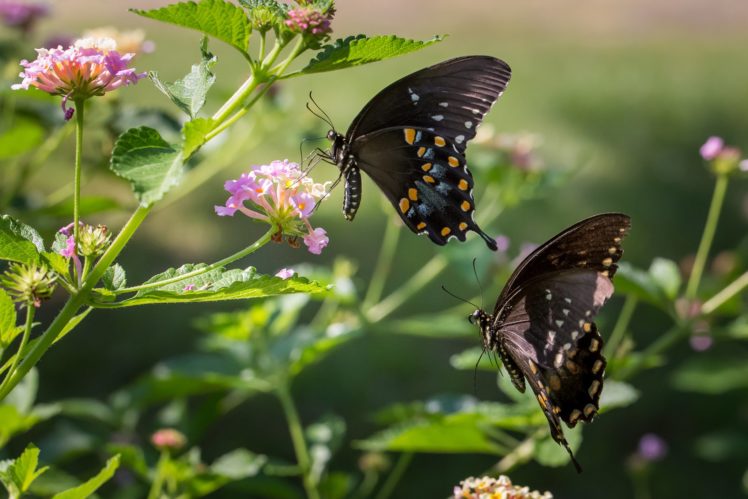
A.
pixel 352 194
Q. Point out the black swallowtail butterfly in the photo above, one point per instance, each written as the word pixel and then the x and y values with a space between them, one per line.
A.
pixel 411 139
pixel 542 327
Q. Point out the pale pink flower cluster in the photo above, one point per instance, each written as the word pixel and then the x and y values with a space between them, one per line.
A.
pixel 128 41
pixel 309 21
pixel 495 488
pixel 21 13
pixel 90 67
pixel 716 151
pixel 168 438
pixel 281 195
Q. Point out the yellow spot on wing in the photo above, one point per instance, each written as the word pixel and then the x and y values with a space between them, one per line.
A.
pixel 465 206
pixel 413 194
pixel 446 231
pixel 607 262
pixel 439 141
pixel 421 226
pixel 463 185
pixel 463 226
pixel 453 162
pixel 404 205
pixel 410 135
pixel 426 167
pixel 429 179
pixel 421 151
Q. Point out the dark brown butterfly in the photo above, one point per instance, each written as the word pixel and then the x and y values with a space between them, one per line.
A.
pixel 411 140
pixel 542 325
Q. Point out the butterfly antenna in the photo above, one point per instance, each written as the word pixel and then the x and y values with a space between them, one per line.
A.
pixel 326 118
pixel 454 295
pixel 480 287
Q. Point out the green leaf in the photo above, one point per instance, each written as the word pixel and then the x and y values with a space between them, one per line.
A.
pixel 358 50
pixel 636 282
pixel 617 394
pixel 217 18
pixel 433 326
pixel 238 464
pixel 86 489
pixel 189 93
pixel 19 242
pixel 22 472
pixel 712 376
pixel 666 275
pixel 22 397
pixel 87 409
pixel 194 134
pixel 152 165
pixel 56 262
pixel 22 137
pixel 467 360
pixel 114 278
pixel 7 320
pixel 220 285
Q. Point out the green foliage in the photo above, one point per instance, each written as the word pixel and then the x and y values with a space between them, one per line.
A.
pixel 195 134
pixel 89 205
pixel 8 329
pixel 22 137
pixel 18 475
pixel 19 242
pixel 189 93
pixel 114 278
pixel 358 50
pixel 712 376
pixel 92 485
pixel 217 18
pixel 152 165
pixel 659 285
pixel 218 285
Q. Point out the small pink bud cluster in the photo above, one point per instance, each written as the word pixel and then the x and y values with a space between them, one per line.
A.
pixel 308 21
pixel 90 67
pixel 495 488
pixel 20 14
pixel 168 439
pixel 722 158
pixel 282 195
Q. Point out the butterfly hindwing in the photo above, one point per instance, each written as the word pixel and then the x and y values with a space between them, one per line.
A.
pixel 425 178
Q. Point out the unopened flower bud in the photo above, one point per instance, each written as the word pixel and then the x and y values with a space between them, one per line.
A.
pixel 93 241
pixel 168 439
pixel 28 284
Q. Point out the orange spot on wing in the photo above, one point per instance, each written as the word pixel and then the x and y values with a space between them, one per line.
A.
pixel 439 141
pixel 426 167
pixel 410 135
pixel 465 206
pixel 463 185
pixel 404 205
pixel 429 179
pixel 453 162
pixel 413 194
pixel 446 231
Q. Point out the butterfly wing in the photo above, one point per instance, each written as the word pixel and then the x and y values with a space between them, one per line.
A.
pixel 426 180
pixel 451 98
pixel 593 243
pixel 546 329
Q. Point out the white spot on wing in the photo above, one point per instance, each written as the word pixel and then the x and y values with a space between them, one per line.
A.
pixel 444 104
pixel 559 323
pixel 460 139
pixel 468 125
pixel 437 117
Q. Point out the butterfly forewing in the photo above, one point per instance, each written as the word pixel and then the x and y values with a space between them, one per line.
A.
pixel 594 243
pixel 451 97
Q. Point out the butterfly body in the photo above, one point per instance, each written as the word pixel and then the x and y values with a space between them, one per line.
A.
pixel 411 139
pixel 542 325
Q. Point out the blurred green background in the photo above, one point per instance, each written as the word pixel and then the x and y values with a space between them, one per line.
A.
pixel 624 91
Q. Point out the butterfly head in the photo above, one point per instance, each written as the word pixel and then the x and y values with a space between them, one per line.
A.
pixel 338 148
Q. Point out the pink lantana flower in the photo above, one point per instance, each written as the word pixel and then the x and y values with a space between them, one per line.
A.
pixel 91 67
pixel 22 14
pixel 285 273
pixel 309 21
pixel 279 194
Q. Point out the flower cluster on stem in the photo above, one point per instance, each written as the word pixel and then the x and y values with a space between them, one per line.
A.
pixel 489 488
pixel 91 67
pixel 279 194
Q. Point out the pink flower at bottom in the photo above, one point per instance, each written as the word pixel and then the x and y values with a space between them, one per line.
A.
pixel 316 240
pixel 285 273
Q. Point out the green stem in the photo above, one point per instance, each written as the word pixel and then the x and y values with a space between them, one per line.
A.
pixel 79 114
pixel 624 318
pixel 76 301
pixel 235 100
pixel 297 437
pixel 384 264
pixel 720 298
pixel 394 477
pixel 158 480
pixel 428 272
pixel 86 267
pixel 213 266
pixel 30 311
pixel 261 51
pixel 707 237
